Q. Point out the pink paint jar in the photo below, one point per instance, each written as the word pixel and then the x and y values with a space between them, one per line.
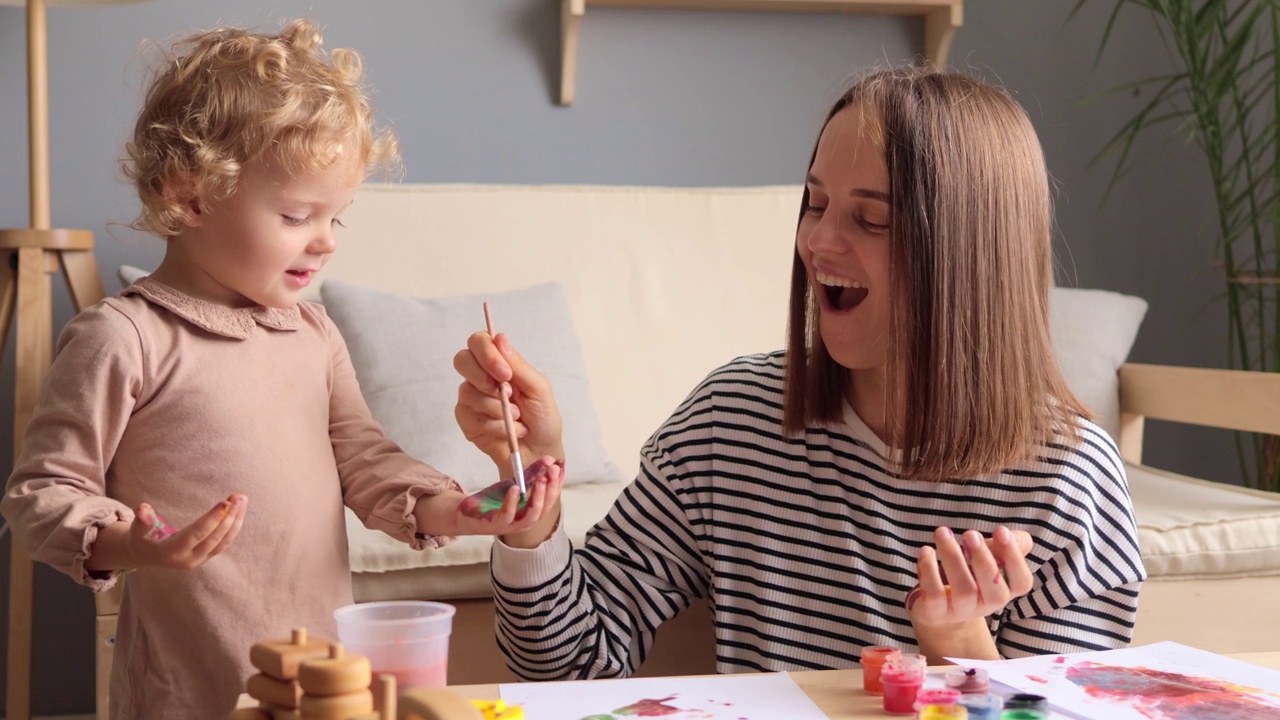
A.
pixel 936 696
pixel 872 662
pixel 969 681
pixel 902 678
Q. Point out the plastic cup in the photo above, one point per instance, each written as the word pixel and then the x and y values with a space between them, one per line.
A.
pixel 405 638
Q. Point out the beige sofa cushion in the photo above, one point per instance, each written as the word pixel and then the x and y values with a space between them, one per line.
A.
pixel 1191 529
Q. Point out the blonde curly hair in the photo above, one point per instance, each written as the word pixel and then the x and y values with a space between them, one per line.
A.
pixel 229 97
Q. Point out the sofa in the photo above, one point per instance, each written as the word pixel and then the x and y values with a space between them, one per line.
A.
pixel 627 297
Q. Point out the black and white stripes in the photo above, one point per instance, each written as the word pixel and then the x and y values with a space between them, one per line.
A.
pixel 806 546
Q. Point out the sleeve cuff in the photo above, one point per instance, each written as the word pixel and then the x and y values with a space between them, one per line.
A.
pixel 97 581
pixel 533 567
pixel 404 527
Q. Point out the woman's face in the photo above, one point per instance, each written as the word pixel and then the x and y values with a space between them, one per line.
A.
pixel 843 240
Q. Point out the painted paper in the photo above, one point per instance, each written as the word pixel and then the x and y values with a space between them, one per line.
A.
pixel 1164 681
pixel 723 697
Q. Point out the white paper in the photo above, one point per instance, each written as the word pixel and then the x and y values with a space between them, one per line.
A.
pixel 1164 681
pixel 773 696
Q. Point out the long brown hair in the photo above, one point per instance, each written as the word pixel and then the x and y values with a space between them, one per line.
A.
pixel 973 386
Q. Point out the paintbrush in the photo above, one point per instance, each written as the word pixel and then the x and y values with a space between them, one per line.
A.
pixel 504 393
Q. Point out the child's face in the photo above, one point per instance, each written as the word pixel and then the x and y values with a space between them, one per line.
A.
pixel 265 243
pixel 843 240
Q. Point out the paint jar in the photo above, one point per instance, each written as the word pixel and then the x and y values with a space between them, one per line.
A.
pixel 936 711
pixel 1024 714
pixel 873 658
pixel 983 707
pixel 969 681
pixel 405 638
pixel 1026 701
pixel 936 696
pixel 902 678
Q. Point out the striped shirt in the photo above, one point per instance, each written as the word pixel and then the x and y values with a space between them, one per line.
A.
pixel 806 546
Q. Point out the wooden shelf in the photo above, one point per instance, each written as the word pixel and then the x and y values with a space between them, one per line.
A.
pixel 941 20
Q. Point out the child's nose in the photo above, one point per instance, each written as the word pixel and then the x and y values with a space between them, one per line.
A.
pixel 325 242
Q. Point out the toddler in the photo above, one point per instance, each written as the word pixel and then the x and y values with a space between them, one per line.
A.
pixel 208 388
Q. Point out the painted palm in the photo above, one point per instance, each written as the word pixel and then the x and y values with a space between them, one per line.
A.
pixel 1223 97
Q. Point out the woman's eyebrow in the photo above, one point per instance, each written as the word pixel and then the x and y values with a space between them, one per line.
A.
pixel 870 194
pixel 880 195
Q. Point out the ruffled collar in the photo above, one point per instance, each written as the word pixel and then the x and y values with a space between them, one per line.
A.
pixel 237 323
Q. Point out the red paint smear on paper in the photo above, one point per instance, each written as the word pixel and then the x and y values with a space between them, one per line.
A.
pixel 649 708
pixel 1170 696
pixel 1059 660
pixel 1037 678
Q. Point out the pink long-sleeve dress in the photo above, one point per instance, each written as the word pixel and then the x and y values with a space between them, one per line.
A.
pixel 159 397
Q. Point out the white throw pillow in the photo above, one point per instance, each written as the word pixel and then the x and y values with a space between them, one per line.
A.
pixel 1092 332
pixel 402 349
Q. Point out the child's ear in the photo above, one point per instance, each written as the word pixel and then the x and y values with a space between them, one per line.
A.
pixel 195 217
pixel 183 192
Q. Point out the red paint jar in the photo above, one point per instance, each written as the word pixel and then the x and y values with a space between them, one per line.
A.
pixel 902 678
pixel 872 661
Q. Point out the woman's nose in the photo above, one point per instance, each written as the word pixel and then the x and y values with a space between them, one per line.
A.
pixel 828 237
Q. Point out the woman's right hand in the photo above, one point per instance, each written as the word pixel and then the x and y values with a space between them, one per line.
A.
pixel 484 366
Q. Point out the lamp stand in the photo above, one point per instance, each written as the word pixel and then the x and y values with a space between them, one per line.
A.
pixel 28 258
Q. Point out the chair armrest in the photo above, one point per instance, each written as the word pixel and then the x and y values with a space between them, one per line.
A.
pixel 1230 399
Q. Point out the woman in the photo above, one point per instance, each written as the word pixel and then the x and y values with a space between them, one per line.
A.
pixel 911 471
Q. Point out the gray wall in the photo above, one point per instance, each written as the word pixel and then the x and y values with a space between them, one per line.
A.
pixel 665 98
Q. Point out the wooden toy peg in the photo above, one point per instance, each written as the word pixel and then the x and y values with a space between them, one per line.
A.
pixel 338 674
pixel 280 658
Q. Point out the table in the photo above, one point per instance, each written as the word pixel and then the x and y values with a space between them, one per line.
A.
pixel 838 693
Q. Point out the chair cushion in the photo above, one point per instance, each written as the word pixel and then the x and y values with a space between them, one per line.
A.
pixel 402 349
pixel 1193 529
pixel 1092 333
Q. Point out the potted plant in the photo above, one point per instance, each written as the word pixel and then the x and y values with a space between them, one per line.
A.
pixel 1222 96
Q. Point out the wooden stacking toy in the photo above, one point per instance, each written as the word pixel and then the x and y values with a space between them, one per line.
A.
pixel 306 678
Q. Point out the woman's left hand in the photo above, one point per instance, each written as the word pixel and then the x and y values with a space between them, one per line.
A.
pixel 982 576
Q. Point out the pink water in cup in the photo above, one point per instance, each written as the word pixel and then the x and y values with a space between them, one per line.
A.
pixel 405 638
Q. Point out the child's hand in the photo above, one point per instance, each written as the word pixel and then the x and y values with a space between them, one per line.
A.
pixel 446 513
pixel 981 576
pixel 543 505
pixel 151 543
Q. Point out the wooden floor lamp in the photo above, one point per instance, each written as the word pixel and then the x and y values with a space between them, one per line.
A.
pixel 28 259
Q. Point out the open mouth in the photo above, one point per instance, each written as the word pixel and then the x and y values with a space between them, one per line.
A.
pixel 841 294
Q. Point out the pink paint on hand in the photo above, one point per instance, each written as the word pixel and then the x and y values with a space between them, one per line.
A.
pixel 430 676
pixel 159 528
pixel 490 499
